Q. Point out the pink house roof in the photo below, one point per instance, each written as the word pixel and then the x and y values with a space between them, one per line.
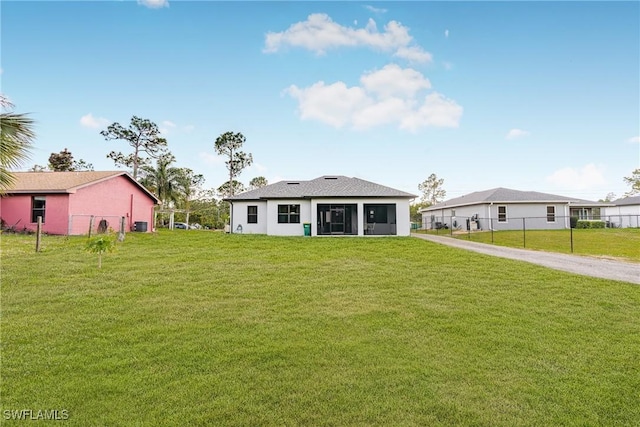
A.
pixel 66 182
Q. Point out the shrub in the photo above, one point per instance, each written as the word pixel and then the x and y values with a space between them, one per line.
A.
pixel 590 224
pixel 573 221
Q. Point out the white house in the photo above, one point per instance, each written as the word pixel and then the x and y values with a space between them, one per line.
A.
pixel 328 205
pixel 624 213
pixel 506 209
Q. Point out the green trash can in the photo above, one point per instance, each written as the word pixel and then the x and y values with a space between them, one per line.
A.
pixel 307 229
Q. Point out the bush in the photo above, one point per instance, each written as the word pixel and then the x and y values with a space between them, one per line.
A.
pixel 573 221
pixel 590 224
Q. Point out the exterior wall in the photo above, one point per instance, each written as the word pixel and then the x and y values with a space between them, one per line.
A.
pixel 16 210
pixel 535 215
pixel 240 217
pixel 268 215
pixel 275 229
pixel 623 216
pixel 114 198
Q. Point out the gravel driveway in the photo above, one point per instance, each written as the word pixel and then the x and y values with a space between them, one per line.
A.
pixel 587 266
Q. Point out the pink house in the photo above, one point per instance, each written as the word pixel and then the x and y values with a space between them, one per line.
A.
pixel 71 202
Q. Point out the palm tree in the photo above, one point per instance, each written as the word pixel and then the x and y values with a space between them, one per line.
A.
pixel 163 179
pixel 188 183
pixel 16 140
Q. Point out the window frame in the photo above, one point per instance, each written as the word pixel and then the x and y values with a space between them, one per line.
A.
pixel 551 216
pixel 252 214
pixel 289 214
pixel 502 217
pixel 37 211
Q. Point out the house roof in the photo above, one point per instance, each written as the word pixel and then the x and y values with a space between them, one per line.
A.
pixel 65 182
pixel 506 195
pixel 324 186
pixel 626 201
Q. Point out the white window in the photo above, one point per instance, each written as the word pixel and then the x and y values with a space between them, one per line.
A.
pixel 502 214
pixel 551 214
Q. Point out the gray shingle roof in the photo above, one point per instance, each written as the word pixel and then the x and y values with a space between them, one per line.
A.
pixel 506 195
pixel 324 186
pixel 626 201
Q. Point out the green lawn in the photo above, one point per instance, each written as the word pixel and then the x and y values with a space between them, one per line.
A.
pixel 203 328
pixel 615 243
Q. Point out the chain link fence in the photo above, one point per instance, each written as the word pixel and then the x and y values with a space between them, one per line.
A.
pixel 93 224
pixel 527 232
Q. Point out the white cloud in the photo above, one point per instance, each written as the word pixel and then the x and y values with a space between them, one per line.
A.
pixel 166 126
pixel 319 33
pixel 517 133
pixel 436 111
pixel 588 177
pixel 446 33
pixel 333 104
pixel 211 159
pixel 393 80
pixel 93 122
pixel 387 96
pixel 413 54
pixel 154 4
pixel 634 140
pixel 375 9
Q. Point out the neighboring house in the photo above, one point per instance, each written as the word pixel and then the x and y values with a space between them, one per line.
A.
pixel 504 209
pixel 69 202
pixel 625 212
pixel 329 205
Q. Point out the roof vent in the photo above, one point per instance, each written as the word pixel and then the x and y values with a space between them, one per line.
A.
pixel 330 177
pixel 293 183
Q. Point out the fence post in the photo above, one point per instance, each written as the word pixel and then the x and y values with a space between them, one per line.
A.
pixel 121 232
pixel 38 234
pixel 524 234
pixel 491 227
pixel 90 225
pixel 571 236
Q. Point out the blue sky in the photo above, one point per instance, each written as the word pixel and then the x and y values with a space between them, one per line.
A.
pixel 541 96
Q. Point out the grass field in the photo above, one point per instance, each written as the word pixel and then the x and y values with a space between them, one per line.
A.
pixel 202 328
pixel 614 243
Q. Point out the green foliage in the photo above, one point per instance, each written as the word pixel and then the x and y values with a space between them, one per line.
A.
pixel 61 162
pixel 100 245
pixel 205 328
pixel 258 182
pixel 634 182
pixel 143 136
pixel 226 190
pixel 229 144
pixel 582 224
pixel 432 191
pixel 16 141
pixel 573 221
pixel 414 211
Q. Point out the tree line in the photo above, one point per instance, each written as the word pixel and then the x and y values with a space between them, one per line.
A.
pixel 152 164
